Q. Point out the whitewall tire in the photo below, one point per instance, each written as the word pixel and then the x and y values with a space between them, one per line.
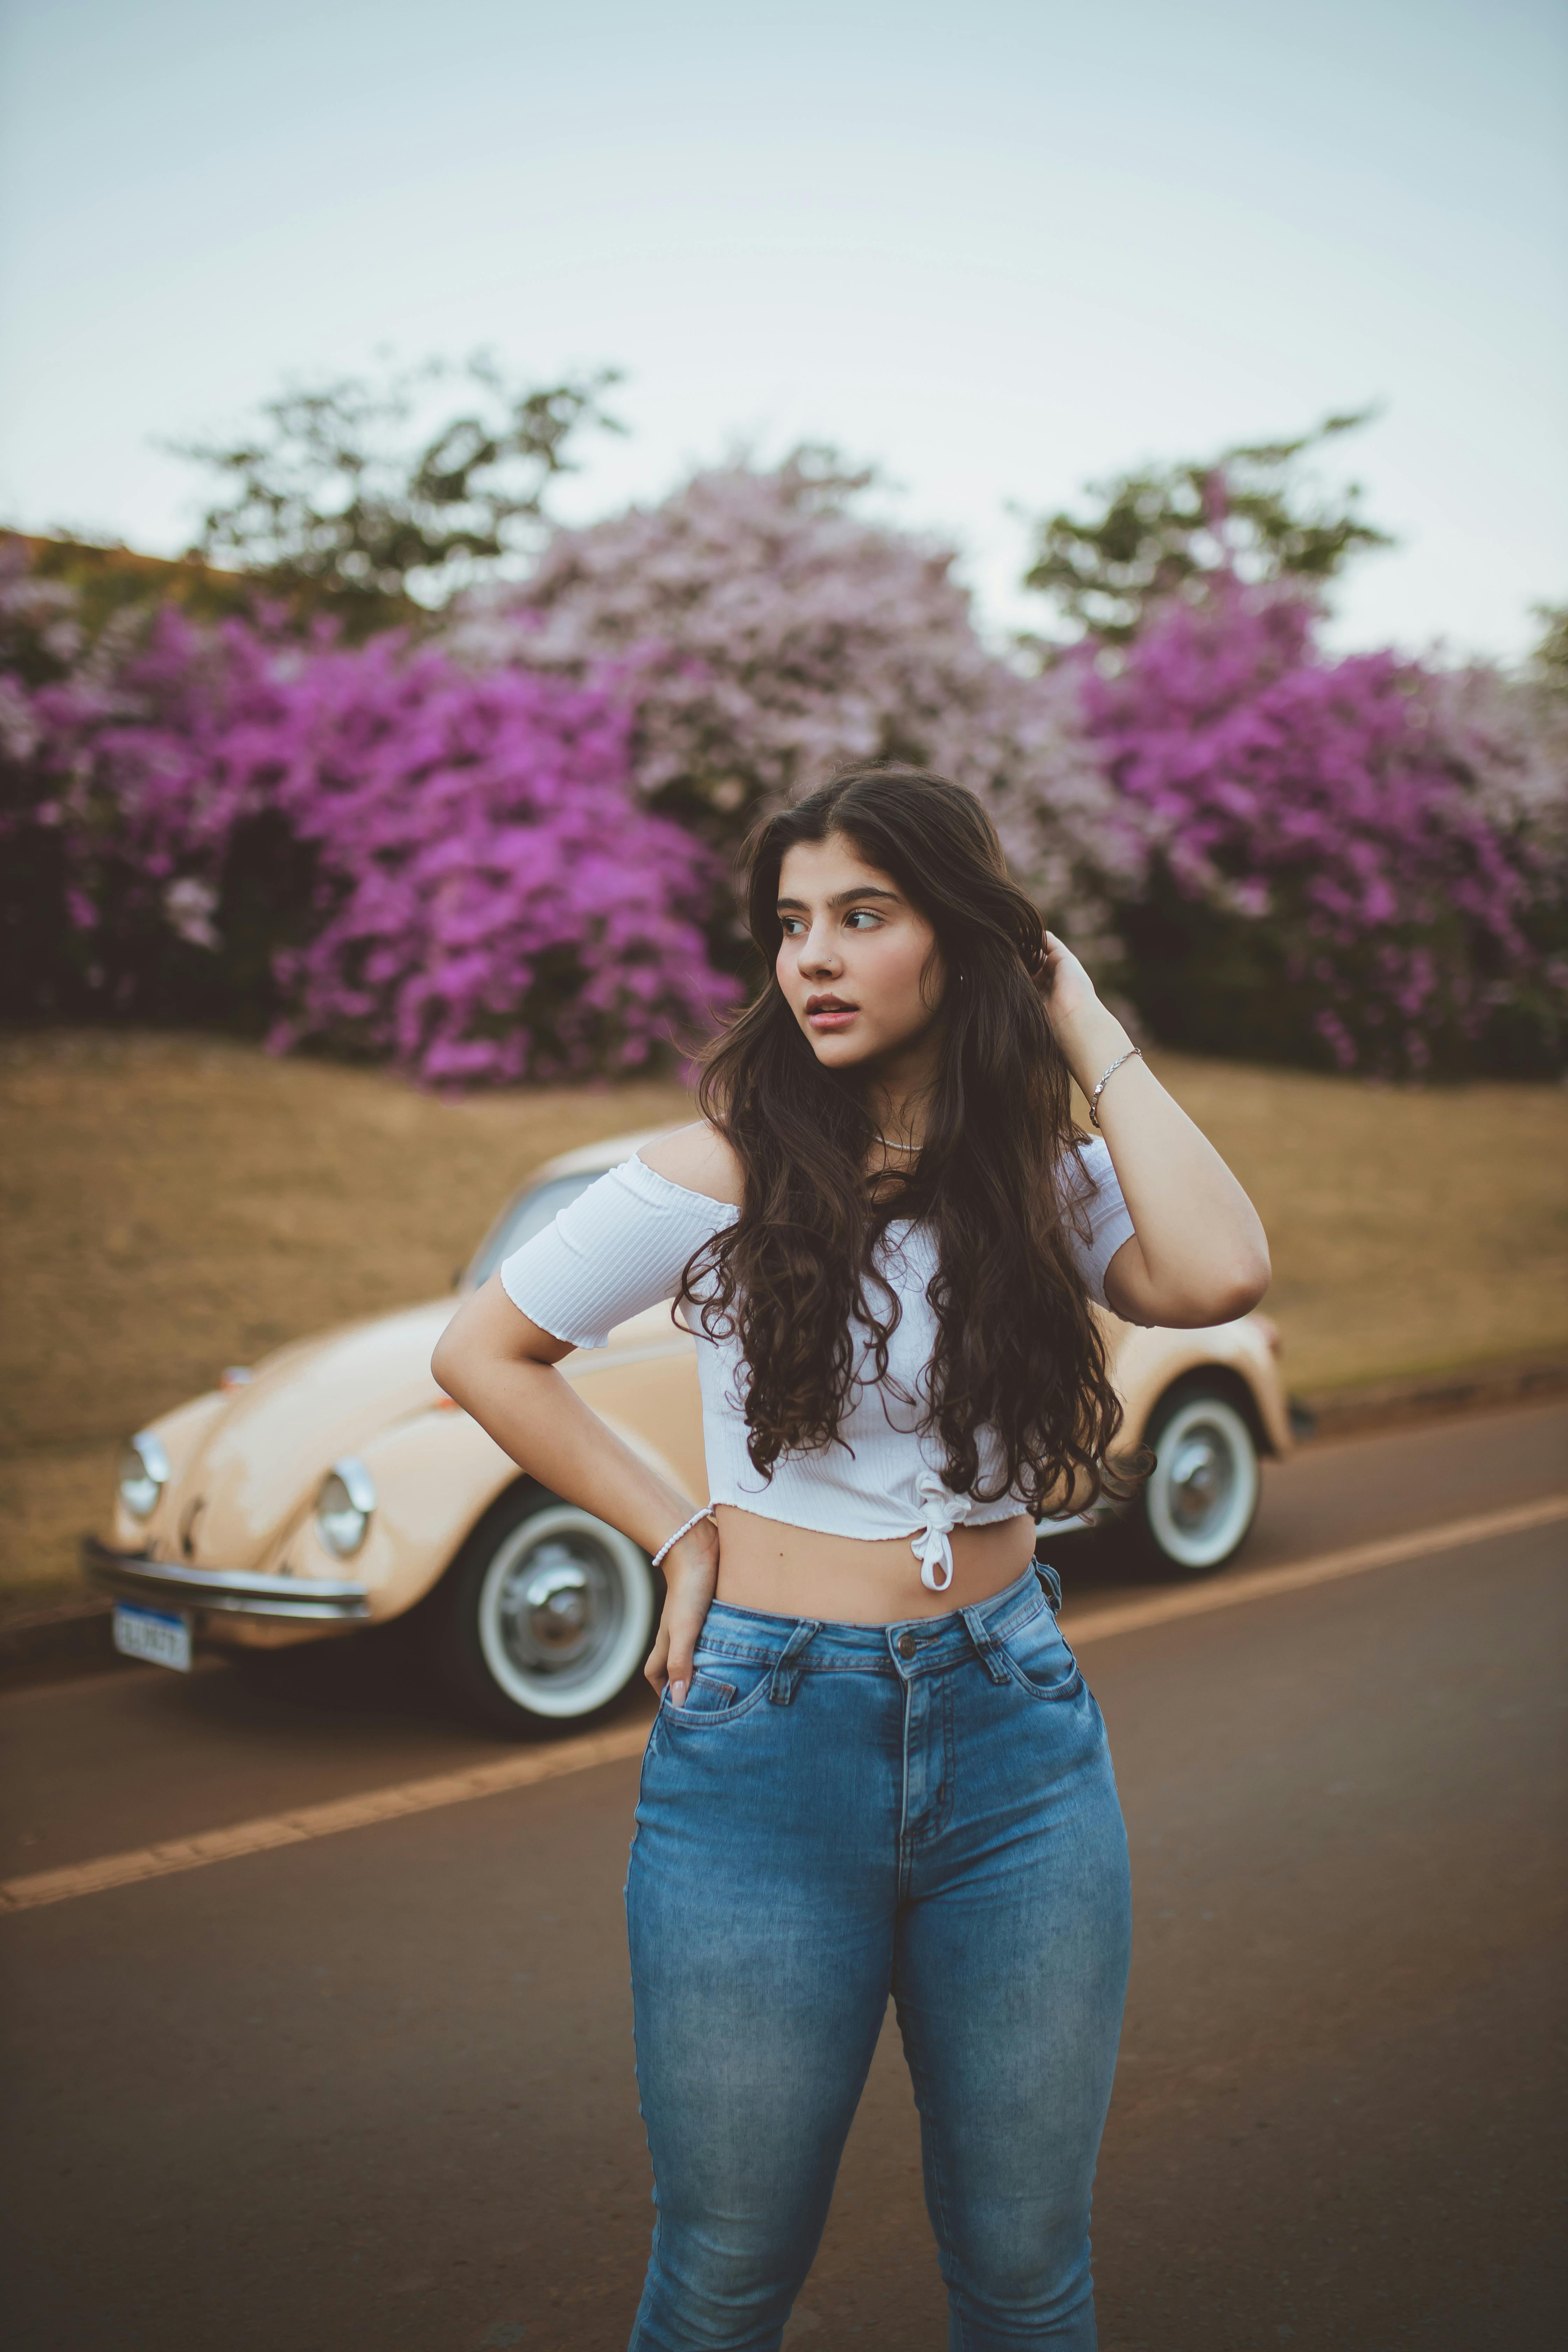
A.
pixel 551 1613
pixel 1201 1498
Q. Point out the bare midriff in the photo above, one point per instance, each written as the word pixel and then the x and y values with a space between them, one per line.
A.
pixel 791 1571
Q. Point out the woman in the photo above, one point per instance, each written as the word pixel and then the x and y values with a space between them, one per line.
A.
pixel 875 1766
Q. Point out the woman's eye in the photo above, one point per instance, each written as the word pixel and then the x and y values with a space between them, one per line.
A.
pixel 864 914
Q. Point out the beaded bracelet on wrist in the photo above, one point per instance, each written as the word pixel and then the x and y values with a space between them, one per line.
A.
pixel 684 1530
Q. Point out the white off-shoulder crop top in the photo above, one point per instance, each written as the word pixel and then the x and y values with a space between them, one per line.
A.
pixel 620 1247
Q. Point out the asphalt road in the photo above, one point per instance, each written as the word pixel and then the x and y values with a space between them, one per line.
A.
pixel 372 2091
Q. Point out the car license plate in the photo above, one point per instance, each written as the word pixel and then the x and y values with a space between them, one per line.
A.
pixel 162 1636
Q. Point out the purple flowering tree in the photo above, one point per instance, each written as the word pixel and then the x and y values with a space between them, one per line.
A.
pixel 369 849
pixel 1361 862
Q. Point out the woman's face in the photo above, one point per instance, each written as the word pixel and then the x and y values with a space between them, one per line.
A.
pixel 859 967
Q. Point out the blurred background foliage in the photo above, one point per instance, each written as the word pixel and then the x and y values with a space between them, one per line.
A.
pixel 341 503
pixel 393 765
pixel 1251 513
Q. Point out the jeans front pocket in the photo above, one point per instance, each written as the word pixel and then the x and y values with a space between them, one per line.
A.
pixel 708 1695
pixel 1038 1658
pixel 723 1688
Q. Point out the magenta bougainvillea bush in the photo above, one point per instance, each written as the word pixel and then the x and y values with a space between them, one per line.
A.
pixel 1361 861
pixel 367 849
pixel 504 855
pixel 499 909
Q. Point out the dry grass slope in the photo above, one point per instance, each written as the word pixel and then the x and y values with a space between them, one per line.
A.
pixel 172 1204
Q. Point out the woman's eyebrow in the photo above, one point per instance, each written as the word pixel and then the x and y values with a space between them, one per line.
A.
pixel 841 899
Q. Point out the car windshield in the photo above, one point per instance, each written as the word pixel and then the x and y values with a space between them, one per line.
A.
pixel 528 1214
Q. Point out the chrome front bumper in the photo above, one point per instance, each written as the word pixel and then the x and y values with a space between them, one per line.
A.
pixel 224 1591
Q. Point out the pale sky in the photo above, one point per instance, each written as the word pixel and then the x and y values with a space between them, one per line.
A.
pixel 998 248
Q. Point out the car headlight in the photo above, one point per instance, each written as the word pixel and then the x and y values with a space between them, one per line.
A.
pixel 144 1474
pixel 344 1507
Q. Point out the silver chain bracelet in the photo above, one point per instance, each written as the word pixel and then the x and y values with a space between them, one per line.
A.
pixel 1094 1098
pixel 684 1530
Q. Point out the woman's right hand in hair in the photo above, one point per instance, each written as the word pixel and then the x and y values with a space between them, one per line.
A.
pixel 1072 1002
pixel 691 1580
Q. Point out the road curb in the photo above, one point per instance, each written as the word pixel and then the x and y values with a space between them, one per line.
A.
pixel 1391 1404
pixel 73 1633
pixel 70 1633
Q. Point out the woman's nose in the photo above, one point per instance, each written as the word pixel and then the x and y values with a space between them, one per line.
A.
pixel 818 955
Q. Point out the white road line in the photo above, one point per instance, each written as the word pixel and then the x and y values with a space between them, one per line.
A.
pixel 1259 1584
pixel 567 1756
pixel 307 1821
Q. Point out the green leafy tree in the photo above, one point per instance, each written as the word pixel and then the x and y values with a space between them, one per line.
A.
pixel 1549 659
pixel 340 502
pixel 1165 531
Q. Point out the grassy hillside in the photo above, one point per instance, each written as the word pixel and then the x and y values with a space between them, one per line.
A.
pixel 172 1205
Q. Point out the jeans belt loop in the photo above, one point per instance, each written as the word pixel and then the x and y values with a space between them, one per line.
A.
pixel 782 1682
pixel 1053 1585
pixel 986 1643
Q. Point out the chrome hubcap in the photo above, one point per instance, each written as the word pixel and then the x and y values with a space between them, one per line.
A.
pixel 1202 1478
pixel 560 1606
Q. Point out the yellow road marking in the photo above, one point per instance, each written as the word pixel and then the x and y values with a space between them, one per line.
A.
pixel 567 1756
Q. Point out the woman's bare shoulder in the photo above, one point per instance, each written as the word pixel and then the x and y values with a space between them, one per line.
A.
pixel 699 1159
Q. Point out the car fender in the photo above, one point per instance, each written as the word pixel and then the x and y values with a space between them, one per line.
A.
pixel 1146 1360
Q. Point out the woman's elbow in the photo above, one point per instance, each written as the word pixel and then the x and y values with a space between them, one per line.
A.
pixel 1242 1285
pixel 1220 1294
pixel 486 1341
pixel 452 1358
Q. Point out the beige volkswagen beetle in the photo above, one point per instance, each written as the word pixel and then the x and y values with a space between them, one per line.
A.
pixel 334 1486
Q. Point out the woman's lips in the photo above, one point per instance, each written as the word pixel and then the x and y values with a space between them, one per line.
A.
pixel 831 1015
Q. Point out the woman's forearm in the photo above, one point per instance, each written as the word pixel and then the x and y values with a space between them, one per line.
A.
pixel 1200 1255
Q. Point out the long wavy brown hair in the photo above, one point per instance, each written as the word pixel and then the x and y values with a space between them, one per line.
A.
pixel 1018 1351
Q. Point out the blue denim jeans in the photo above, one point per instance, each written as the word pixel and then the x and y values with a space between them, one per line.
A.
pixel 839 1812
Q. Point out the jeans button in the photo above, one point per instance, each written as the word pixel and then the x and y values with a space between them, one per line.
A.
pixel 908 1645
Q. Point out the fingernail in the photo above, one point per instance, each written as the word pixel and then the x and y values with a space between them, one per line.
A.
pixel 679 1690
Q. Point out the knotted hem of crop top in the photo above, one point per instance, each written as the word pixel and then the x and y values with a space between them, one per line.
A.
pixel 932 1546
